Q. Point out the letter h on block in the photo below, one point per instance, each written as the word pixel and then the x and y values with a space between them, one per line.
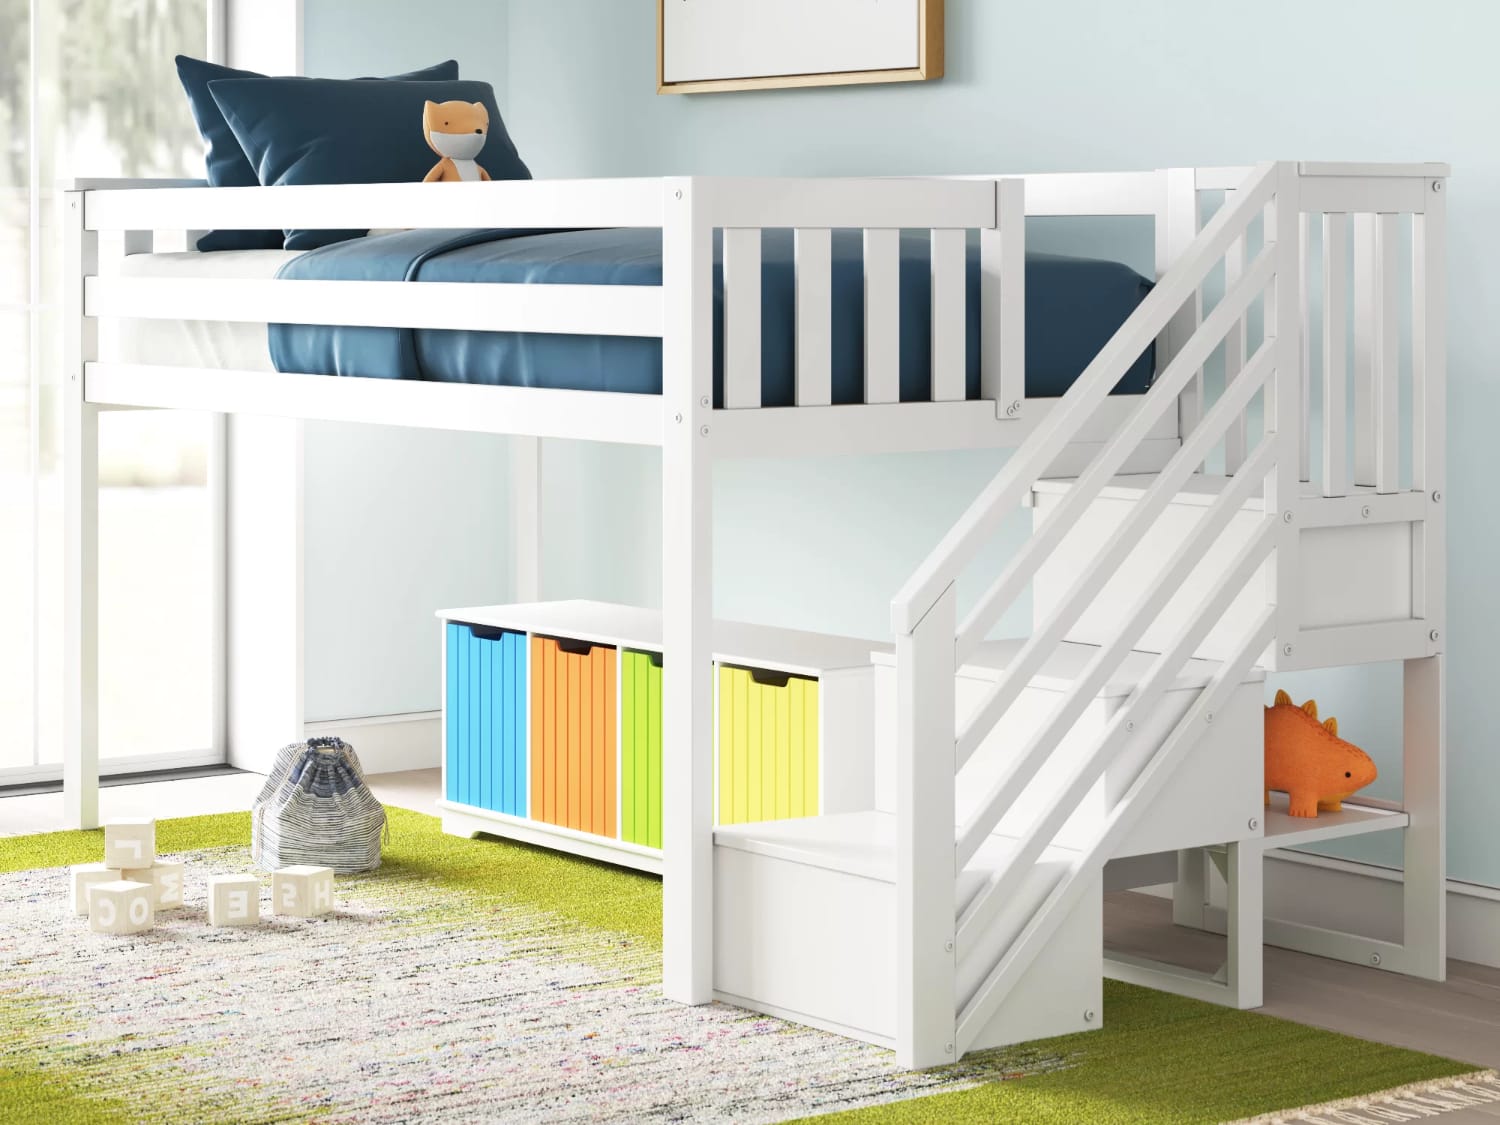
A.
pixel 302 891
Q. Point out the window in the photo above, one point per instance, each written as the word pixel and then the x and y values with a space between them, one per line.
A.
pixel 88 88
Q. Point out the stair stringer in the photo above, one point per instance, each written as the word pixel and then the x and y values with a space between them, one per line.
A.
pixel 975 1016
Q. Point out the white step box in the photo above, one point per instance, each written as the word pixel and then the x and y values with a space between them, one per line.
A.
pixel 1214 796
pixel 1353 574
pixel 805 929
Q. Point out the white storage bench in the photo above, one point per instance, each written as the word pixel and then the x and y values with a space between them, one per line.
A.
pixel 552 725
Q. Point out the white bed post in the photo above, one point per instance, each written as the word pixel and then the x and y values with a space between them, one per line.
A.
pixel 1176 228
pixel 1283 401
pixel 80 529
pixel 926 856
pixel 687 594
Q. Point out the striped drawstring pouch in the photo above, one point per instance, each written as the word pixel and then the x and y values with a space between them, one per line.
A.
pixel 315 808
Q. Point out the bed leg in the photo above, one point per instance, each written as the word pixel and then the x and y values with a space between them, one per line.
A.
pixel 687 598
pixel 1424 768
pixel 80 531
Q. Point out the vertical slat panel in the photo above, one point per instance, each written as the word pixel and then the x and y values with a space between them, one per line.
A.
pixel 741 317
pixel 784 752
pixel 726 746
pixel 499 687
pixel 485 796
pixel 602 748
pixel 588 665
pixel 1387 358
pixel 812 752
pixel 767 751
pixel 741 746
pixel 1181 222
pixel 948 315
pixel 1335 354
pixel 1304 429
pixel 505 694
pixel 1429 405
pixel 453 720
pixel 611 743
pixel 752 749
pixel 882 315
pixel 1364 349
pixel 538 719
pixel 551 748
pixel 472 671
pixel 629 663
pixel 797 751
pixel 654 758
pixel 1429 343
pixel 814 250
pixel 643 754
pixel 1002 301
pixel 1234 354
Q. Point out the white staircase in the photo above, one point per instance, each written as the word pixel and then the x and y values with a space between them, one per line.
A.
pixel 964 910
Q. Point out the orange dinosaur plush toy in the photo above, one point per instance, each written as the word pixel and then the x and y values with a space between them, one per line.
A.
pixel 456 131
pixel 1308 760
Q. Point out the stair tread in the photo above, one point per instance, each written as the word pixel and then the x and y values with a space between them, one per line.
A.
pixel 1201 488
pixel 1067 661
pixel 864 844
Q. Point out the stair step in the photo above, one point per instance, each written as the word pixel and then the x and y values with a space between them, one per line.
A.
pixel 1201 488
pixel 864 844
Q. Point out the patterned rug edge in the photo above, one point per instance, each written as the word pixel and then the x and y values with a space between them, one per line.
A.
pixel 1416 1101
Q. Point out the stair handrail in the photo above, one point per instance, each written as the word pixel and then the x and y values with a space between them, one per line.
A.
pixel 1071 412
pixel 932 847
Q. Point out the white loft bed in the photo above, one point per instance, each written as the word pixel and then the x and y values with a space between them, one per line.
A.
pixel 1238 573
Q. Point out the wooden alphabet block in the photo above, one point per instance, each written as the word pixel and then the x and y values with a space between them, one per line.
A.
pixel 165 877
pixel 233 900
pixel 302 891
pixel 130 844
pixel 84 876
pixel 120 907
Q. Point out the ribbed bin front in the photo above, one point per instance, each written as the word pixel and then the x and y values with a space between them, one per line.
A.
pixel 486 717
pixel 768 745
pixel 640 748
pixel 573 745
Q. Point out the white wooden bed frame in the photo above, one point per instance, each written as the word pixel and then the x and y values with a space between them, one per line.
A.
pixel 1261 233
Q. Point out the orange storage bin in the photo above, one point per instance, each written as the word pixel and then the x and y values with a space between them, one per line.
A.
pixel 573 755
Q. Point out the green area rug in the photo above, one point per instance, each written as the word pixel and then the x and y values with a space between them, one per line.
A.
pixel 480 980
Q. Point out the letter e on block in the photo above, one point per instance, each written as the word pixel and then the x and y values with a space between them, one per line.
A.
pixel 233 900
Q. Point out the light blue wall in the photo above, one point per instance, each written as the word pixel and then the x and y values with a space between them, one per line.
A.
pixel 1063 85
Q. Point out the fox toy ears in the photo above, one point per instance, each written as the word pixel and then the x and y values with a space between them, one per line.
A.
pixel 1332 727
pixel 1282 697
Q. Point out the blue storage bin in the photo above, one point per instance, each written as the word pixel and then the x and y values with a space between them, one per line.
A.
pixel 486 713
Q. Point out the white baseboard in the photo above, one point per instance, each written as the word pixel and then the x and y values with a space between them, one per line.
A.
pixel 388 743
pixel 1361 898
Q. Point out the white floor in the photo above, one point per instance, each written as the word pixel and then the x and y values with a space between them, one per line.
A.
pixel 19 816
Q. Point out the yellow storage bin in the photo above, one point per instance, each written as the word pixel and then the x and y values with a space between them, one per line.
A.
pixel 768 745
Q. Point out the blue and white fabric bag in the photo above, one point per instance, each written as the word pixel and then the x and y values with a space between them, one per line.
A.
pixel 315 808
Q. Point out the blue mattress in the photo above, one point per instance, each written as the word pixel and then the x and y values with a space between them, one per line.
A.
pixel 1073 306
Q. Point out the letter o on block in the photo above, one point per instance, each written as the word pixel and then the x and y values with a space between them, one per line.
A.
pixel 233 900
pixel 302 891
pixel 121 907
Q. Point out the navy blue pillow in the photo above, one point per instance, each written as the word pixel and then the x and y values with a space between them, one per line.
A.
pixel 227 164
pixel 318 131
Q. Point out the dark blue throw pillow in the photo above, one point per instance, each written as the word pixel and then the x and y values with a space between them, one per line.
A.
pixel 226 160
pixel 318 131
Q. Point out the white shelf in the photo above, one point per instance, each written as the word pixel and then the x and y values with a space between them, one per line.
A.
pixel 788 650
pixel 1282 830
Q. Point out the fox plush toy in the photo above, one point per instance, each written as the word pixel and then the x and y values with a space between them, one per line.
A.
pixel 1307 760
pixel 456 131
